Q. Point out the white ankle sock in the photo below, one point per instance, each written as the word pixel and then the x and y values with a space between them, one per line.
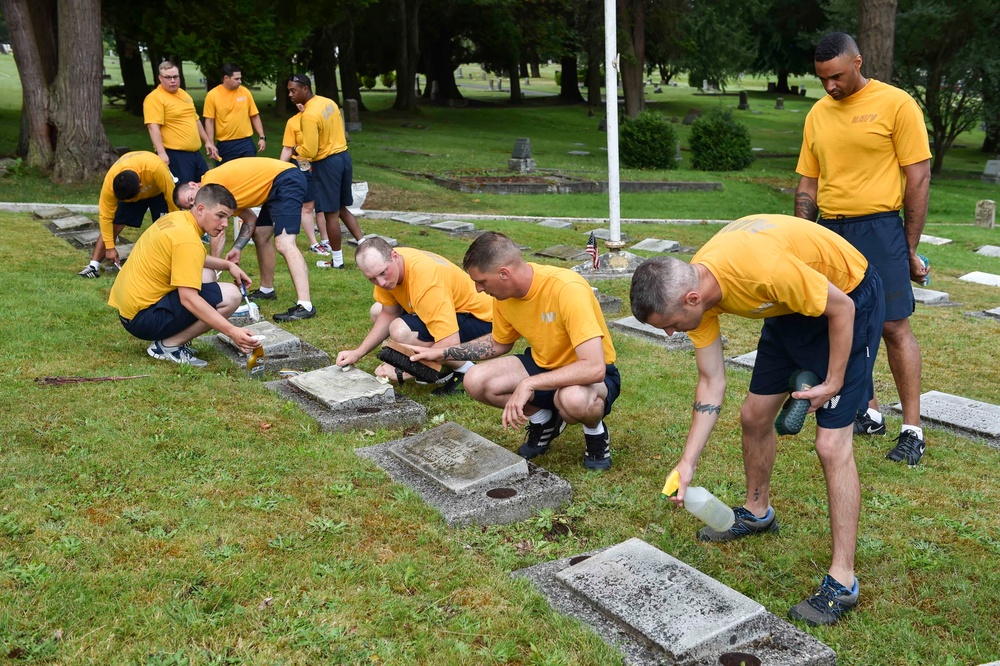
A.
pixel 338 257
pixel 95 264
pixel 875 415
pixel 308 305
pixel 541 416
pixel 465 368
pixel 265 290
pixel 917 430
pixel 596 430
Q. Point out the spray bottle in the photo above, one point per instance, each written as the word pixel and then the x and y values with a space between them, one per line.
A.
pixel 701 504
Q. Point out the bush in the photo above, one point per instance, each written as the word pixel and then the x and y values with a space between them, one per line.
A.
pixel 558 77
pixel 720 143
pixel 389 79
pixel 648 141
pixel 367 82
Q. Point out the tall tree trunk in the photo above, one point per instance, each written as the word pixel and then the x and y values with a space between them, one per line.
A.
pixel 133 73
pixel 876 36
pixel 349 84
pixel 523 66
pixel 408 57
pixel 536 70
pixel 515 85
pixel 595 55
pixel 440 63
pixel 324 61
pixel 282 105
pixel 569 88
pixel 632 18
pixel 782 85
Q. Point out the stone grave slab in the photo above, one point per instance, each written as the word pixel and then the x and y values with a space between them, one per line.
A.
pixel 934 240
pixel 657 610
pixel 124 250
pixel 282 350
pixel 522 149
pixel 498 492
pixel 71 223
pixel 579 153
pixel 991 172
pixel 603 234
pixel 745 361
pixel 986 213
pixel 556 224
pixel 338 389
pixel 632 326
pixel 994 313
pixel 989 251
pixel 412 218
pixel 656 245
pixel 609 304
pixel 53 213
pixel 989 279
pixel 459 460
pixel 453 226
pixel 85 240
pixel 391 241
pixel 930 297
pixel 979 420
pixel 564 252
pixel 276 340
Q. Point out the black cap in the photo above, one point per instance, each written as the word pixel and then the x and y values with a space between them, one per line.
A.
pixel 125 185
pixel 300 79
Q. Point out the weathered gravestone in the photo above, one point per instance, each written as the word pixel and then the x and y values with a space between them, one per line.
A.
pixel 989 251
pixel 632 326
pixel 993 314
pixel 71 223
pixel 744 104
pixel 454 226
pixel 604 234
pixel 979 420
pixel 556 224
pixel 979 277
pixel 930 297
pixel 656 245
pixel 520 158
pixel 579 153
pixel 85 240
pixel 412 218
pixel 352 120
pixel 934 240
pixel 986 213
pixel 468 478
pixel 563 252
pixel 52 213
pixel 745 361
pixel 391 241
pixel 991 173
pixel 282 350
pixel 779 104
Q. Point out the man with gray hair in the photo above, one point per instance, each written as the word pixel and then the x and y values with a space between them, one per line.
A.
pixel 174 128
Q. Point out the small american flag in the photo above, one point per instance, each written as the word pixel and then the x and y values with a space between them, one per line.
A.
pixel 592 251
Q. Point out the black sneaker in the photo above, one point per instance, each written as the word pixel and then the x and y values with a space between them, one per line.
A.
pixel 258 295
pixel 452 385
pixel 295 313
pixel 598 455
pixel 540 435
pixel 746 523
pixel 829 603
pixel 909 448
pixel 866 425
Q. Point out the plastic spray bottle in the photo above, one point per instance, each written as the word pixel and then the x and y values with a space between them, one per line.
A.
pixel 702 504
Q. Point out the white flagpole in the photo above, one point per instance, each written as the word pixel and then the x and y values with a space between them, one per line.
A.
pixel 611 96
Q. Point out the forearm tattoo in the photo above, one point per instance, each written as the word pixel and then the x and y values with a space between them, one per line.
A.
pixel 246 231
pixel 707 409
pixel 473 350
pixel 805 207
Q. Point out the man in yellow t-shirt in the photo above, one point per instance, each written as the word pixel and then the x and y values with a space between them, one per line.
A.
pixel 137 182
pixel 865 156
pixel 566 376
pixel 229 112
pixel 174 127
pixel 278 188
pixel 421 300
pixel 823 309
pixel 292 137
pixel 167 291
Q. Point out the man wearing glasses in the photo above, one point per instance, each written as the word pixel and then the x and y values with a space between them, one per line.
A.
pixel 174 128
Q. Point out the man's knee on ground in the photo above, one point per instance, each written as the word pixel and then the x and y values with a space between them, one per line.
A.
pixel 231 298
pixel 477 381
pixel 578 403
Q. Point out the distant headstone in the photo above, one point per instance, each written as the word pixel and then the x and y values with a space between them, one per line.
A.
pixel 677 153
pixel 459 73
pixel 412 218
pixel 352 121
pixel 986 213
pixel 491 85
pixel 500 85
pixel 779 104
pixel 604 234
pixel 556 224
pixel 991 173
pixel 453 226
pixel 657 90
pixel 994 313
pixel 794 90
pixel 772 87
pixel 744 104
pixel 564 252
pixel 579 153
pixel 53 213
pixel 522 148
pixel 632 326
pixel 340 390
pixel 484 76
pixel 704 85
pixel 930 297
pixel 934 240
pixel 979 277
pixel 969 417
pixel 989 251
pixel 656 245
pixel 745 361
pixel 527 82
pixel 435 89
pixel 71 223
pixel 802 91
pixel 602 125
pixel 84 239
pixel 391 241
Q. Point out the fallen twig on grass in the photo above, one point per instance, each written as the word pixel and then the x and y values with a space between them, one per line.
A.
pixel 59 381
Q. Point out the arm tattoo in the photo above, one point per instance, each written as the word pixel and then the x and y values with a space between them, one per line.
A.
pixel 707 409
pixel 805 207
pixel 246 231
pixel 473 350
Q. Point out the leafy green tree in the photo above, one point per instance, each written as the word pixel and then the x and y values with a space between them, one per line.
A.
pixel 718 43
pixel 785 35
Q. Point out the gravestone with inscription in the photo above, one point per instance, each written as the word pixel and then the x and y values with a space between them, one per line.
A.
pixel 71 223
pixel 986 213
pixel 991 173
pixel 930 296
pixel 468 478
pixel 412 218
pixel 520 158
pixel 53 213
pixel 282 350
pixel 980 277
pixel 556 224
pixel 352 121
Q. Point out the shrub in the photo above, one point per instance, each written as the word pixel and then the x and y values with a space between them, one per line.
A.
pixel 367 82
pixel 558 77
pixel 648 141
pixel 720 143
pixel 389 79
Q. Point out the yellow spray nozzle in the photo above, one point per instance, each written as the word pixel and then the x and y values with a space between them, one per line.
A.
pixel 672 484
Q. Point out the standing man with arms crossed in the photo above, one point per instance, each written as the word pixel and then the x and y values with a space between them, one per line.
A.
pixel 324 145
pixel 174 127
pixel 822 308
pixel 566 376
pixel 865 155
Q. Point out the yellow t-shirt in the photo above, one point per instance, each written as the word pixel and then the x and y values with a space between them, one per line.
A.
pixel 558 314
pixel 154 178
pixel 857 146
pixel 169 255
pixel 248 178
pixel 773 265
pixel 435 290
pixel 176 116
pixel 293 132
pixel 231 110
pixel 322 130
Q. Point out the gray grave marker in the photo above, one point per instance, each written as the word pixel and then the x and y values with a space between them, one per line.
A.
pixel 744 104
pixel 453 226
pixel 337 389
pixel 986 213
pixel 779 104
pixel 71 223
pixel 929 296
pixel 522 148
pixel 391 241
pixel 352 120
pixel 579 153
pixel 934 240
pixel 994 313
pixel 746 361
pixel 989 251
pixel 563 252
pixel 276 340
pixel 979 277
pixel 603 234
pixel 656 245
pixel 991 173
pixel 53 213
pixel 412 218
pixel 968 417
pixel 556 224
pixel 84 239
pixel 632 326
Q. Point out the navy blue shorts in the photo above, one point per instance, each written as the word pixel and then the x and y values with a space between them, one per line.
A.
pixel 333 176
pixel 234 149
pixel 310 186
pixel 283 207
pixel 882 239
pixel 168 316
pixel 469 328
pixel 130 213
pixel 546 399
pixel 187 166
pixel 797 342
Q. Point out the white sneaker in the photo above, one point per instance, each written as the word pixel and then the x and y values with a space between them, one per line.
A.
pixel 319 248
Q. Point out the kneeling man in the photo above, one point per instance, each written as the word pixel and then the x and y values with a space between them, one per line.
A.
pixel 167 291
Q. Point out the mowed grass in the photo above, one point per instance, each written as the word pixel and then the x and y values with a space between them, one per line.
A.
pixel 192 516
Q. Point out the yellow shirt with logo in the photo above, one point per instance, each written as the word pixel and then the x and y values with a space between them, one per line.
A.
pixel 231 110
pixel 248 178
pixel 169 255
pixel 435 290
pixel 293 132
pixel 322 130
pixel 176 116
pixel 154 178
pixel 857 146
pixel 558 314
pixel 773 265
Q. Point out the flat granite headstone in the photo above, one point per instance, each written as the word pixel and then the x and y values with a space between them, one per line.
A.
pixel 340 390
pixel 459 460
pixel 968 417
pixel 71 223
pixel 84 239
pixel 934 240
pixel 656 245
pixel 453 226
pixel 632 326
pixel 391 241
pixel 604 234
pixel 276 340
pixel 930 297
pixel 743 361
pixel 994 313
pixel 412 218
pixel 579 153
pixel 556 224
pixel 282 350
pixel 979 277
pixel 53 213
pixel 563 252
pixel 989 251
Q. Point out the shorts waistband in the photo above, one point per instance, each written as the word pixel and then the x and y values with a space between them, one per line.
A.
pixel 862 218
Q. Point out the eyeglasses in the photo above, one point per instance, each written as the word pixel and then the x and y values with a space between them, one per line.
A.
pixel 175 77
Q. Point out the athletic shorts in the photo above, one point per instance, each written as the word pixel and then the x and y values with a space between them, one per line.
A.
pixel 546 399
pixel 283 208
pixel 796 342
pixel 469 328
pixel 333 176
pixel 131 213
pixel 168 316
pixel 235 148
pixel 310 186
pixel 187 166
pixel 882 239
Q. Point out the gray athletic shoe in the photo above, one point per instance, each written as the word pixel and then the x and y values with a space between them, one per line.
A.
pixel 829 603
pixel 745 525
pixel 183 354
pixel 89 272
